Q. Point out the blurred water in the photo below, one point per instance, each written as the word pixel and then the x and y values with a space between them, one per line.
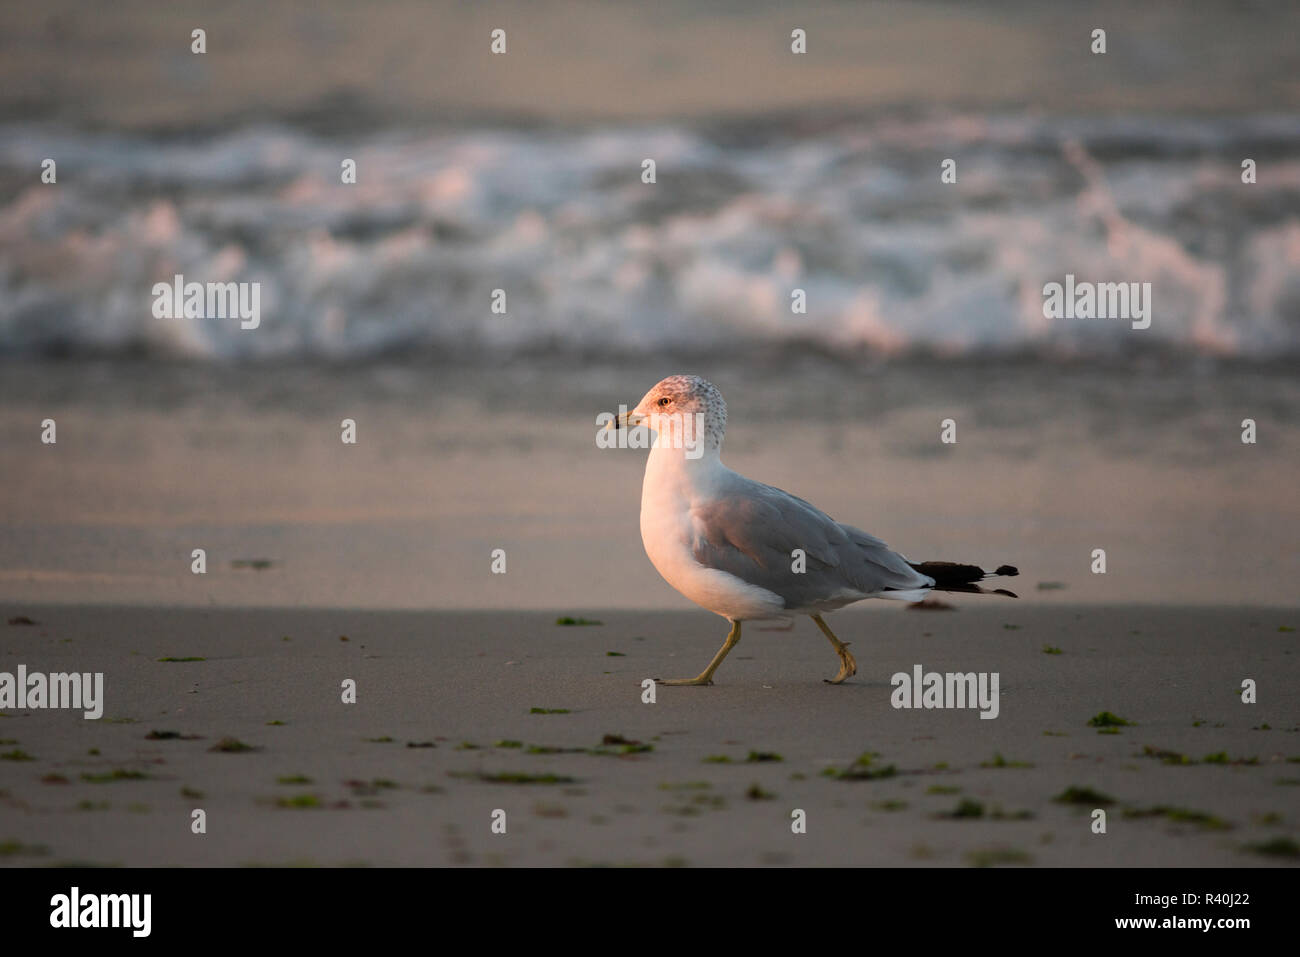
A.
pixel 594 260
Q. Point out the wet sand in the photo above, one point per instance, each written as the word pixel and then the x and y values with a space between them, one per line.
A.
pixel 155 460
pixel 467 683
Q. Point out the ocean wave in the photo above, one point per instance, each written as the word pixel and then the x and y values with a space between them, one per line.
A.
pixel 707 258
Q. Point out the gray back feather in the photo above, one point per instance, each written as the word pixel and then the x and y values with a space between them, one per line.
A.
pixel 752 530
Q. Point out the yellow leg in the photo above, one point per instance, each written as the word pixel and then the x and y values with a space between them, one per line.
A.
pixel 706 676
pixel 848 667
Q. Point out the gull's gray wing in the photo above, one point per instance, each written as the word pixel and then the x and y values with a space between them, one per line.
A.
pixel 752 529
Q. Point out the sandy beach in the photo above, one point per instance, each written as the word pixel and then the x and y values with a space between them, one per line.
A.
pixel 444 733
pixel 381 473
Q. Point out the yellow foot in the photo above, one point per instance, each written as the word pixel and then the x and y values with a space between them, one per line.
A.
pixel 684 681
pixel 848 667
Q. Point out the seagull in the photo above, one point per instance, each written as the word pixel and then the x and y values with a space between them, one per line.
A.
pixel 748 551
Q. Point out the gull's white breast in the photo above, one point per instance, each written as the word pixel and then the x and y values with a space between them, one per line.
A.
pixel 668 494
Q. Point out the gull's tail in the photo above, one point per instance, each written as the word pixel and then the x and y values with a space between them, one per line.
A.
pixel 951 576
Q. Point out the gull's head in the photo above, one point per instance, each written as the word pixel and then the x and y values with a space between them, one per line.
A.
pixel 678 398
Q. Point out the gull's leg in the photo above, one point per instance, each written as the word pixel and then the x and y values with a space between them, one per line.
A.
pixel 706 676
pixel 848 667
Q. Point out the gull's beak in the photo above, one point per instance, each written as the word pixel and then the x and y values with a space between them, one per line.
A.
pixel 626 420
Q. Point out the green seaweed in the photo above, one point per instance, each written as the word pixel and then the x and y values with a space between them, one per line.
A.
pixel 182 660
pixel 298 802
pixel 863 769
pixel 992 857
pixel 1221 757
pixel 520 777
pixel 257 564
pixel 117 774
pixel 1000 762
pixel 1085 796
pixel 232 746
pixel 1276 847
pixel 548 711
pixel 1179 815
pixel 1107 719
pixel 1166 757
pixel 966 809
pixel 570 620
pixel 632 747
pixel 15 848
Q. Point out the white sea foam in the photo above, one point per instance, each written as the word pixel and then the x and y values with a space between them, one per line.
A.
pixel 592 258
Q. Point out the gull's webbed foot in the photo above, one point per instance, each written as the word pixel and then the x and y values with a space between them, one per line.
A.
pixel 848 667
pixel 706 676
pixel 701 680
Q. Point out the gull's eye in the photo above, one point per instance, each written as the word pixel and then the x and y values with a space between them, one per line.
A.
pixel 665 400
